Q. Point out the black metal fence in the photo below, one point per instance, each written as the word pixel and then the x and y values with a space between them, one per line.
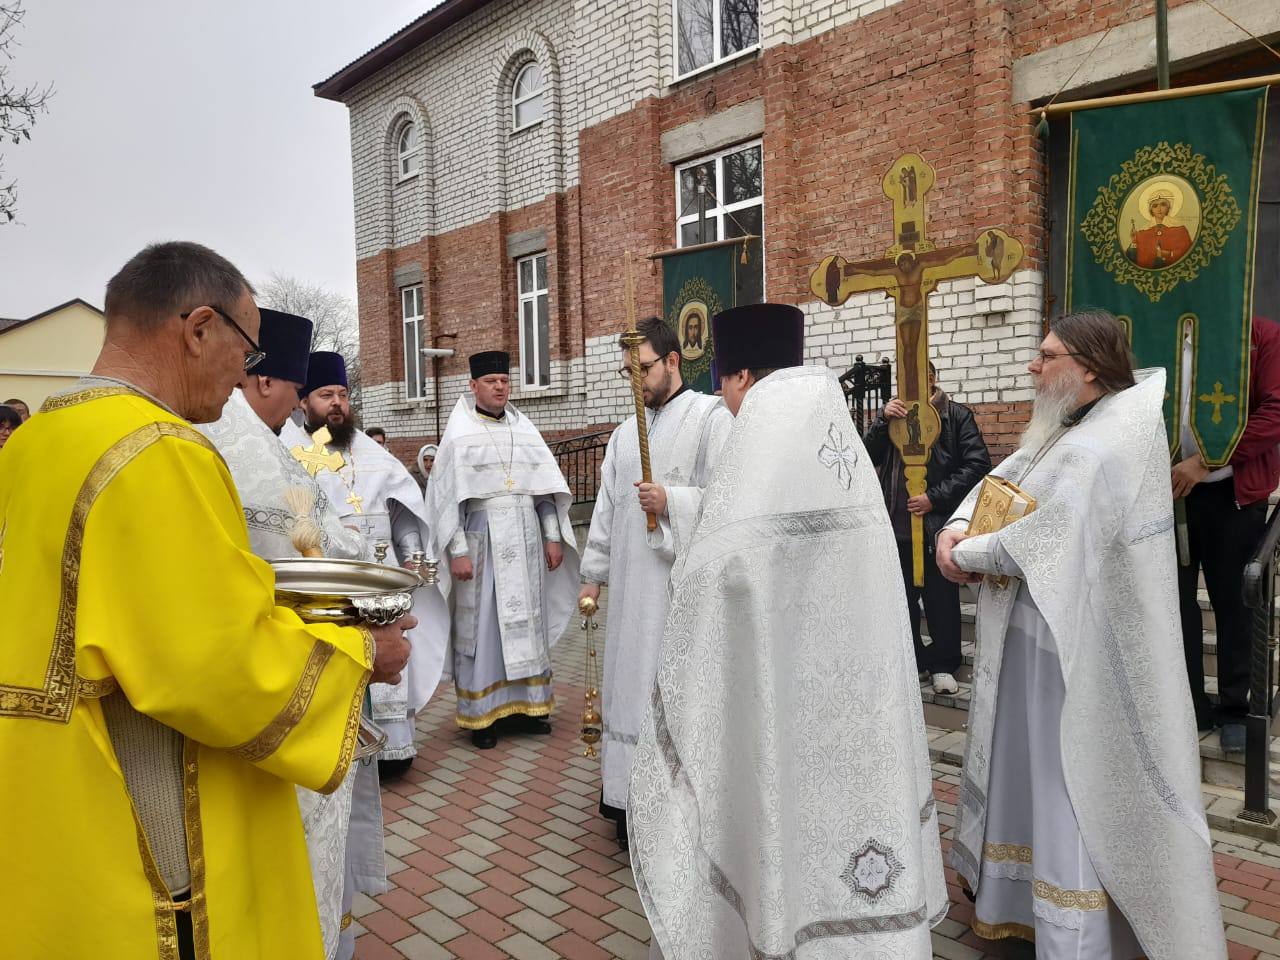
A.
pixel 579 459
pixel 1260 598
pixel 867 387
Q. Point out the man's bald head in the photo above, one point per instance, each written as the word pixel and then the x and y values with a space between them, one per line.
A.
pixel 166 278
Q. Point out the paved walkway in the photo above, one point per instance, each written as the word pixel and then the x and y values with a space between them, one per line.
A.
pixel 501 853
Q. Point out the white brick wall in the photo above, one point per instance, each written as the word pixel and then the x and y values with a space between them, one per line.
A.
pixel 460 81
pixel 981 336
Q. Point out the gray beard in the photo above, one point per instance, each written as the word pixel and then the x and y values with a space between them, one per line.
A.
pixel 1051 405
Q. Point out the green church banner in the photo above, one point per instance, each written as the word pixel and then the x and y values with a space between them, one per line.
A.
pixel 1162 208
pixel 697 283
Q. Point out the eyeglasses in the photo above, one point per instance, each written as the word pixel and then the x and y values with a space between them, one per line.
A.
pixel 1044 357
pixel 625 372
pixel 255 355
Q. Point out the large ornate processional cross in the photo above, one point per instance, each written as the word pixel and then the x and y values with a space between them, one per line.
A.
pixel 909 271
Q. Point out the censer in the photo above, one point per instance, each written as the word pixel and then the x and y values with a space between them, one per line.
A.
pixel 348 593
pixel 592 725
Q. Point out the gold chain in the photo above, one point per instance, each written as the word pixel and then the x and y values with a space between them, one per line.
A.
pixel 511 452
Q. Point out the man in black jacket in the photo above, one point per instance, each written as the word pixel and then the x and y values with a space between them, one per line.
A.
pixel 958 460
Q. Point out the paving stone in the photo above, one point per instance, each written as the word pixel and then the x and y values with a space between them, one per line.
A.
pixel 523 947
pixel 407 829
pixel 478 845
pixel 362 905
pixel 544 878
pixel 1247 920
pixel 626 897
pixel 399 846
pixel 419 947
pixel 438 926
pixel 543 902
pixel 535 925
pixel 554 862
pixel 492 814
pixel 449 902
pixel 485 828
pixel 628 922
pixel 467 861
pixel 624 947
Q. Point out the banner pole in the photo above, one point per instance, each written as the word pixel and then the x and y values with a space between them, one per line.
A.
pixel 1245 83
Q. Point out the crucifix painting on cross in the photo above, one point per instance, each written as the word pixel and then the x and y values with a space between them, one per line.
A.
pixel 909 271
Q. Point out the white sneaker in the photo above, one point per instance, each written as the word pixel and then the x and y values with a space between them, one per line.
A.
pixel 945 683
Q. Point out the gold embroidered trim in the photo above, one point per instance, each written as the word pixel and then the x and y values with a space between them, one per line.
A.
pixel 1069 899
pixel 195 847
pixel 1006 852
pixel 349 736
pixel 345 922
pixel 1003 931
pixel 506 710
pixel 55 699
pixel 84 396
pixel 161 902
pixel 481 694
pixel 268 741
pixel 95 689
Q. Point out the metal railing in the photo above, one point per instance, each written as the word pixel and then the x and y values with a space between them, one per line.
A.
pixel 579 459
pixel 1260 598
pixel 867 388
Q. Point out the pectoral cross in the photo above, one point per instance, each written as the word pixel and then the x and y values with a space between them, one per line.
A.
pixel 1217 398
pixel 510 482
pixel 356 502
pixel 318 456
pixel 909 271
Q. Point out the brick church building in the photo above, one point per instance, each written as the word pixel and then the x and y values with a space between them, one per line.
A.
pixel 507 153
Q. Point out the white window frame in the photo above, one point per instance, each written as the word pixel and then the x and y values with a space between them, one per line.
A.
pixel 531 296
pixel 402 155
pixel 716 60
pixel 718 211
pixel 417 320
pixel 516 101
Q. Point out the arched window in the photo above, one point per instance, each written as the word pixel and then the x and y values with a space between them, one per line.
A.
pixel 408 151
pixel 526 96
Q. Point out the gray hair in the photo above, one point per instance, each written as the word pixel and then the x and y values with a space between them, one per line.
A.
pixel 167 278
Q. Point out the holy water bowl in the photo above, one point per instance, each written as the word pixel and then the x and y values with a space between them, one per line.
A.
pixel 347 593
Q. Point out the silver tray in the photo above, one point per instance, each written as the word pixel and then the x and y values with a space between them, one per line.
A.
pixel 332 578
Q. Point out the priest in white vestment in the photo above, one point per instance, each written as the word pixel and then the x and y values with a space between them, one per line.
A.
pixel 343 829
pixel 781 797
pixel 1080 822
pixel 499 507
pixel 373 491
pixel 686 432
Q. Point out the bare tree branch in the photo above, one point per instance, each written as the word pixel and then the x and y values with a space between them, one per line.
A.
pixel 336 325
pixel 19 106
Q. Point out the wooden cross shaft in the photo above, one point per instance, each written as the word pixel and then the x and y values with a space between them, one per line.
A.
pixel 631 340
pixel 908 272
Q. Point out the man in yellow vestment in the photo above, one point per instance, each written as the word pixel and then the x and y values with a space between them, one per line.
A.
pixel 156 707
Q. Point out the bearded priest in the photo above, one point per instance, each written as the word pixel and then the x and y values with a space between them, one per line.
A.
pixel 499 507
pixel 686 432
pixel 374 492
pixel 1080 823
pixel 781 794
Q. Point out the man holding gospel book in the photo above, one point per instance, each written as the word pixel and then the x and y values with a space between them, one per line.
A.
pixel 1080 823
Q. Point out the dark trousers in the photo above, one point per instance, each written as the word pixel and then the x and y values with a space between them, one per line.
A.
pixel 1222 538
pixel 942 608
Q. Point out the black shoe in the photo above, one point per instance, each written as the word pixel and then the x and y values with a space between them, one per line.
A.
pixel 393 769
pixel 522 723
pixel 1205 723
pixel 484 739
pixel 621 833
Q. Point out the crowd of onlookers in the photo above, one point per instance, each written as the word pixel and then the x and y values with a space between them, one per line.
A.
pixel 13 413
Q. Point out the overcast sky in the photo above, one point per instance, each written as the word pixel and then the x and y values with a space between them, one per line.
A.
pixel 176 120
